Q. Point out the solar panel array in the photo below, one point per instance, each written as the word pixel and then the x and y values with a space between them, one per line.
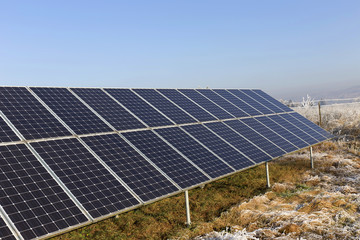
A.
pixel 72 156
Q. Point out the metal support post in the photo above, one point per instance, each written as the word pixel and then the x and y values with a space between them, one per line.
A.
pixel 311 158
pixel 267 175
pixel 187 205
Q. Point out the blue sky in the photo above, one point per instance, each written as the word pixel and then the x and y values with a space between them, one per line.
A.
pixel 278 46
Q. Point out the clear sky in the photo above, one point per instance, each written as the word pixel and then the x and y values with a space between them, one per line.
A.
pixel 278 46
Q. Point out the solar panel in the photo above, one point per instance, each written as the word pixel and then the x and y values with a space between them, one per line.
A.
pixel 189 106
pixel 237 102
pixel 28 115
pixel 304 127
pixel 239 142
pixel 269 134
pixel 165 106
pixel 298 132
pixel 311 125
pixel 143 178
pixel 199 155
pixel 262 101
pixel 206 104
pixel 31 198
pixel 71 110
pixel 272 100
pixel 139 107
pixel 5 232
pixel 166 158
pixel 91 183
pixel 6 134
pixel 110 110
pixel 229 154
pixel 255 138
pixel 250 101
pixel 134 146
pixel 222 102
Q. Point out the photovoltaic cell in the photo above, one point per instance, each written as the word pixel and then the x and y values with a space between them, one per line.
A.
pixel 206 103
pixel 222 102
pixel 31 198
pixel 199 155
pixel 272 100
pixel 282 131
pixel 28 115
pixel 71 110
pixel 304 127
pixel 167 159
pixel 269 134
pixel 5 233
pixel 91 183
pixel 295 130
pixel 139 107
pixel 311 125
pixel 107 108
pixel 6 134
pixel 233 157
pixel 186 104
pixel 243 145
pixel 262 101
pixel 165 106
pixel 147 182
pixel 236 101
pixel 255 138
pixel 250 101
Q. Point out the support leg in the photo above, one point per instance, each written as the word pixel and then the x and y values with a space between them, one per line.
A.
pixel 311 158
pixel 187 205
pixel 267 175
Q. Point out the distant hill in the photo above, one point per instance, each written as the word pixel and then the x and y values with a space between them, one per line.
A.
pixel 352 92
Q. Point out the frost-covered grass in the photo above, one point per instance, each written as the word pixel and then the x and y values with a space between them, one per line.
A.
pixel 340 119
pixel 325 204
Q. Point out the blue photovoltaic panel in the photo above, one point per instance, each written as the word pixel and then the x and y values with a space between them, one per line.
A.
pixel 206 103
pixel 107 108
pixel 199 155
pixel 166 158
pixel 269 134
pixel 282 131
pixel 243 145
pixel 255 138
pixel 147 182
pixel 222 102
pixel 289 126
pixel 272 100
pixel 91 183
pixel 250 101
pixel 71 110
pixel 233 157
pixel 28 115
pixel 186 104
pixel 139 107
pixel 304 127
pixel 31 198
pixel 165 106
pixel 311 124
pixel 236 101
pixel 6 134
pixel 5 233
pixel 262 101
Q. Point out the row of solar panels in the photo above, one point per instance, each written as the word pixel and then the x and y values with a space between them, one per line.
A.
pixel 87 111
pixel 53 185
